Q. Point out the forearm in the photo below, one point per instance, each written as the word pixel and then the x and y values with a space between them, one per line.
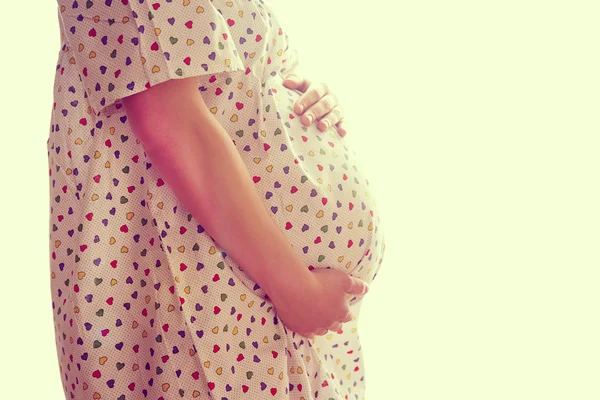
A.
pixel 207 174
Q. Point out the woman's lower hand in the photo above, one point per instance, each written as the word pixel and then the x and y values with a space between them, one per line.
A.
pixel 322 307
pixel 316 104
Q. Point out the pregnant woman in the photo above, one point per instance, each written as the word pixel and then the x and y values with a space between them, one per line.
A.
pixel 205 243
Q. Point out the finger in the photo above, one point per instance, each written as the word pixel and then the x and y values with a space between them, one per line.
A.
pixel 321 332
pixel 293 81
pixel 356 286
pixel 312 94
pixel 335 327
pixel 304 85
pixel 331 118
pixel 341 127
pixel 349 317
pixel 320 109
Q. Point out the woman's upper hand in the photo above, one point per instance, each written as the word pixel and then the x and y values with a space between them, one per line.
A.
pixel 323 306
pixel 316 102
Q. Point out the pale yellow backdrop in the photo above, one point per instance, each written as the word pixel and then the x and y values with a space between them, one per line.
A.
pixel 478 121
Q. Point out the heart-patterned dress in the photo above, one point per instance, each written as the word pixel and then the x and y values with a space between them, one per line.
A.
pixel 146 304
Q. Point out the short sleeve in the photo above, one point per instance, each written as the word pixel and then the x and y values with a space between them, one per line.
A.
pixel 124 47
pixel 290 58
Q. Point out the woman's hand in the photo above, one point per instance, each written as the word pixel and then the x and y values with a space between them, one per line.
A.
pixel 321 307
pixel 316 102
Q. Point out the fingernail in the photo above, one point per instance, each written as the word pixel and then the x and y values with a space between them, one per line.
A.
pixel 326 124
pixel 309 118
pixel 301 108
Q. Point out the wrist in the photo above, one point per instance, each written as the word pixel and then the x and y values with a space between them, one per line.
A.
pixel 289 284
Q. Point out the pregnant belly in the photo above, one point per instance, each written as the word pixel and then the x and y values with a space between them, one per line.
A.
pixel 315 189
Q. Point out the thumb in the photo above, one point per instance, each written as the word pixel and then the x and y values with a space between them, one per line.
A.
pixel 356 286
pixel 293 78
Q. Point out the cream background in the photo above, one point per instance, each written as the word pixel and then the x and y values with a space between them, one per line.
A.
pixel 479 123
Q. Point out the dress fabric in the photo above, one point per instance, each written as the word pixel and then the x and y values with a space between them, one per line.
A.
pixel 146 305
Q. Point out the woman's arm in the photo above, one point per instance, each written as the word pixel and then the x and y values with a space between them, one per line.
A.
pixel 198 160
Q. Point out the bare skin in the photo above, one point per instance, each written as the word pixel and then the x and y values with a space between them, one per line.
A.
pixel 316 103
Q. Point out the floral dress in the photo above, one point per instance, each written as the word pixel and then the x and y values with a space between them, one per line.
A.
pixel 146 304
